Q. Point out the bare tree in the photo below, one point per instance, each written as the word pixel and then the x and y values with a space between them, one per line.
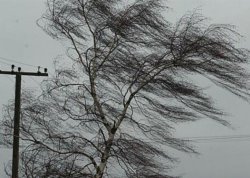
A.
pixel 111 109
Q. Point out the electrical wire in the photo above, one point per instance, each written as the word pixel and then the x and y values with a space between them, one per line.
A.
pixel 212 139
pixel 227 138
pixel 15 61
pixel 6 62
pixel 219 137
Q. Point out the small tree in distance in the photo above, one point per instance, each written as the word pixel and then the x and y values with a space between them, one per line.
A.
pixel 111 113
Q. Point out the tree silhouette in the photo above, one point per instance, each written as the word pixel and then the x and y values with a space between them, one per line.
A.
pixel 111 109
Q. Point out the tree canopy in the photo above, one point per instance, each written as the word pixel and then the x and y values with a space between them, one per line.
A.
pixel 111 108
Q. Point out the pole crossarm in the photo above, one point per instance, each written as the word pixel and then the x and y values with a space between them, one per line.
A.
pixel 23 73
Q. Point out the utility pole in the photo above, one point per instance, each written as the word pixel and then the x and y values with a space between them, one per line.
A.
pixel 18 74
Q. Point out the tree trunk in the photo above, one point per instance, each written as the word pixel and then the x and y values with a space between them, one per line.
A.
pixel 100 169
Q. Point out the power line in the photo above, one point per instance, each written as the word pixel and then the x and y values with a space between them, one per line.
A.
pixel 211 139
pixel 4 59
pixel 226 138
pixel 200 139
pixel 8 64
pixel 5 63
pixel 15 61
pixel 218 137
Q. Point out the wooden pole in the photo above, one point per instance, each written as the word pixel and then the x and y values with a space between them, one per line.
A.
pixel 16 135
pixel 15 155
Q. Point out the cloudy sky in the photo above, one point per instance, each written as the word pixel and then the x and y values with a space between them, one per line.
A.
pixel 22 41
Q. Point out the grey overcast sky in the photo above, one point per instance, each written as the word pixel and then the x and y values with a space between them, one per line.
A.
pixel 22 40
